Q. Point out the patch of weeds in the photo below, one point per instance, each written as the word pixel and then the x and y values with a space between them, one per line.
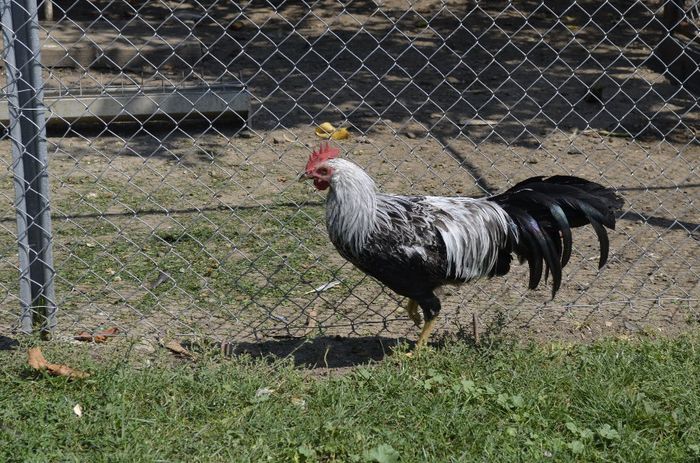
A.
pixel 209 259
pixel 606 401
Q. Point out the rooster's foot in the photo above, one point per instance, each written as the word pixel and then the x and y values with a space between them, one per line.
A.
pixel 425 333
pixel 413 313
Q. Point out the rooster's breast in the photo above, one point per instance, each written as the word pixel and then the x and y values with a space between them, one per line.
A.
pixel 405 252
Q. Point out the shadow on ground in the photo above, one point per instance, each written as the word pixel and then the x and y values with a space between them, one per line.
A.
pixel 323 351
pixel 8 343
pixel 526 69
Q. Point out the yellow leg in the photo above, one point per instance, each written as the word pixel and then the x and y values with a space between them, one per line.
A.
pixel 412 309
pixel 425 333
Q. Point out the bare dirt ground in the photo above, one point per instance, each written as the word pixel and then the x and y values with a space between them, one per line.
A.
pixel 180 232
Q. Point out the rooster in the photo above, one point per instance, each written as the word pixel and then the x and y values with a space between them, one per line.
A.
pixel 416 244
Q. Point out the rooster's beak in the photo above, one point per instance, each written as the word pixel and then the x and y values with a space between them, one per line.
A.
pixel 303 176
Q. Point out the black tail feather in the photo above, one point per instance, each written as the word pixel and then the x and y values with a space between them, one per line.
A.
pixel 544 210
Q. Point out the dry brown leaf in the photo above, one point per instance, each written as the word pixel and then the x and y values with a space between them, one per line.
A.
pixel 104 335
pixel 99 337
pixel 39 362
pixel 83 336
pixel 176 348
pixel 36 359
pixel 327 130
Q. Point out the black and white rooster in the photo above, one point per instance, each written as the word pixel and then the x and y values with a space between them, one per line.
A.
pixel 416 244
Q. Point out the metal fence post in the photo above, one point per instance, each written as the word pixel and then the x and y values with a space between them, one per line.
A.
pixel 27 131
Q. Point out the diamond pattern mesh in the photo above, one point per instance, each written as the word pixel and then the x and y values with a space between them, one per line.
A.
pixel 189 222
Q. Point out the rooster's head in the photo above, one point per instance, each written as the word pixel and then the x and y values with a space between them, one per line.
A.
pixel 318 168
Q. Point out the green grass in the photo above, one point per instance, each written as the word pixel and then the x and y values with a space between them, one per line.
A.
pixel 216 257
pixel 609 401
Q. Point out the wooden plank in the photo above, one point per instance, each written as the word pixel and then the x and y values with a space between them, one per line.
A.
pixel 212 102
pixel 97 45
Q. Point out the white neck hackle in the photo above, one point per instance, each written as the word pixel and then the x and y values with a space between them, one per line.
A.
pixel 351 207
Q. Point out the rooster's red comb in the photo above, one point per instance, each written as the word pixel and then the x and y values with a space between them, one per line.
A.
pixel 324 153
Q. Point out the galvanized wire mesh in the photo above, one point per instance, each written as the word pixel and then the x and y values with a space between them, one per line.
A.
pixel 190 222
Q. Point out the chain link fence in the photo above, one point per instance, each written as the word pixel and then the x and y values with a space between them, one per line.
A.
pixel 176 130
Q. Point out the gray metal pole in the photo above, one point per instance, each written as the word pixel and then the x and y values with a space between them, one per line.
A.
pixel 30 163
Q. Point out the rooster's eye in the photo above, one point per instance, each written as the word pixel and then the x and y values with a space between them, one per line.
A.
pixel 322 171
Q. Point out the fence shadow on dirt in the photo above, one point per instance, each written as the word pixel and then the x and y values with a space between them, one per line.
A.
pixel 497 72
pixel 525 69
